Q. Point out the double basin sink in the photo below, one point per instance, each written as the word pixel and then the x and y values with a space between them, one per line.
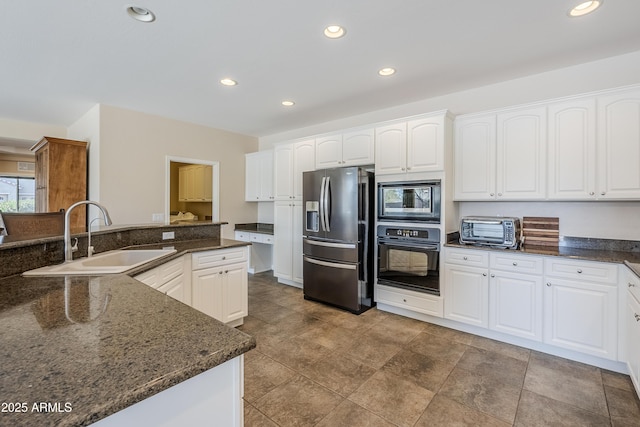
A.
pixel 112 262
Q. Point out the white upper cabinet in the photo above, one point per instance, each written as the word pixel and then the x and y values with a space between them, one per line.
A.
pixel 521 154
pixel 259 176
pixel 619 146
pixel 391 149
pixel 501 156
pixel 475 158
pixel 572 149
pixel 289 162
pixel 414 146
pixel 349 149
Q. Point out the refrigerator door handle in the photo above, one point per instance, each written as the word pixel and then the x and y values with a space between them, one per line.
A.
pixel 327 204
pixel 331 244
pixel 330 264
pixel 322 223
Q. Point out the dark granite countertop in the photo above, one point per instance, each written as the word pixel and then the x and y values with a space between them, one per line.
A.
pixel 102 343
pixel 634 266
pixel 596 254
pixel 255 227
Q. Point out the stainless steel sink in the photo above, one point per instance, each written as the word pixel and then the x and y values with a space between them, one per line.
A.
pixel 111 262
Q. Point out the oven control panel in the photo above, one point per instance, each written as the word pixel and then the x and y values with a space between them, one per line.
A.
pixel 430 234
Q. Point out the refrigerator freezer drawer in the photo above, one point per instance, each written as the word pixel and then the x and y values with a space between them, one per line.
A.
pixel 332 282
pixel 343 252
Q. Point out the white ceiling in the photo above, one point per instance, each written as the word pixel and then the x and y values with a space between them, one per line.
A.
pixel 59 58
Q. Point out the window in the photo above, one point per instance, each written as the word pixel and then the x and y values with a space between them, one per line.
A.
pixel 17 194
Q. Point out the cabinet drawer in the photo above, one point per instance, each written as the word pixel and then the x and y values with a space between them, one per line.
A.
pixel 599 272
pixel 516 263
pixel 409 300
pixel 170 270
pixel 631 282
pixel 467 257
pixel 243 236
pixel 261 238
pixel 218 257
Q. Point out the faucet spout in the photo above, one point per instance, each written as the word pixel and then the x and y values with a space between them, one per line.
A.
pixel 68 249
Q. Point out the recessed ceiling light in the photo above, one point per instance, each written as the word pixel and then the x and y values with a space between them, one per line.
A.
pixel 585 8
pixel 141 14
pixel 288 103
pixel 334 31
pixel 228 82
pixel 387 71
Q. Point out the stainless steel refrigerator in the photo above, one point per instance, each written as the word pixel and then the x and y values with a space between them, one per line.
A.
pixel 338 237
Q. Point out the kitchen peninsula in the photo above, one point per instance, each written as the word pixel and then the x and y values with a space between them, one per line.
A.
pixel 110 349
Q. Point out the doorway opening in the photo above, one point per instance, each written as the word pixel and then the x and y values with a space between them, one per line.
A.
pixel 192 190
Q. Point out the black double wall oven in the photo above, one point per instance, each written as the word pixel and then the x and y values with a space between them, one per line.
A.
pixel 408 236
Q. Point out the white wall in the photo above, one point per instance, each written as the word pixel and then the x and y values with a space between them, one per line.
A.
pixel 87 128
pixel 15 129
pixel 133 150
pixel 592 76
pixel 611 220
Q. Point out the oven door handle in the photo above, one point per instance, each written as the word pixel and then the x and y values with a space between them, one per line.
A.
pixel 330 244
pixel 409 245
pixel 330 264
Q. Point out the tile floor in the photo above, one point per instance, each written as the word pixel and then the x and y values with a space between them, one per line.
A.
pixel 318 366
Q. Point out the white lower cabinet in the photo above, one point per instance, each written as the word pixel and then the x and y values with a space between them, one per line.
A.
pixel 581 306
pixel 409 300
pixel 632 338
pixel 287 244
pixel 219 282
pixel 170 279
pixel 564 303
pixel 214 282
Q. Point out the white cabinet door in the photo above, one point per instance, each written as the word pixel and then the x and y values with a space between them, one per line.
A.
pixel 475 158
pixel 176 288
pixel 572 150
pixel 466 295
pixel 282 172
pixel 206 291
pixel 296 244
pixel 581 316
pixel 358 148
pixel 283 240
pixel 632 338
pixel 303 161
pixel 516 304
pixel 619 146
pixel 252 177
pixel 391 149
pixel 521 154
pixel 425 145
pixel 265 176
pixel 328 152
pixel 235 284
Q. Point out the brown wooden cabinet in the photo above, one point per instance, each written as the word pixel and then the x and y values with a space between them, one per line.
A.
pixel 61 177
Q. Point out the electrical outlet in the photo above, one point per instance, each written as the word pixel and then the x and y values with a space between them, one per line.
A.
pixel 168 235
pixel 157 217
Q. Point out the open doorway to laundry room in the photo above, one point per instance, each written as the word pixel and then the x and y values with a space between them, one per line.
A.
pixel 192 190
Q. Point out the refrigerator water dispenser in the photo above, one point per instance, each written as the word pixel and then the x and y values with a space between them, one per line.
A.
pixel 312 216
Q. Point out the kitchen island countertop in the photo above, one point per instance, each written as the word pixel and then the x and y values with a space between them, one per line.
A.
pixel 89 346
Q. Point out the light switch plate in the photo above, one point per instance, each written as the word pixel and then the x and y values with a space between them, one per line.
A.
pixel 168 235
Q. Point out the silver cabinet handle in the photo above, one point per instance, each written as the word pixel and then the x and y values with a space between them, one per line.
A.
pixel 603 193
pixel 408 169
pixel 592 193
pixel 637 316
pixel 464 258
pixel 579 271
pixel 224 257
pixel 515 263
pixel 631 285
pixel 499 194
pixel 491 194
pixel 404 300
pixel 484 274
pixel 549 284
pixel 493 275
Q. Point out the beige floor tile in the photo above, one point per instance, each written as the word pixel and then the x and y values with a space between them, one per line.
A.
pixel 262 374
pixel 295 353
pixel 482 393
pixel 348 414
pixel 449 334
pixel 371 351
pixel 339 373
pixel 510 350
pixel 622 403
pixel 443 412
pixel 500 368
pixel 438 347
pixel 393 398
pixel 617 380
pixel 426 371
pixel 255 418
pixel 330 336
pixel 536 410
pixel 298 402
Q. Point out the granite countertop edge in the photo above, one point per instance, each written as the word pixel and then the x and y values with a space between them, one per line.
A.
pixel 233 345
